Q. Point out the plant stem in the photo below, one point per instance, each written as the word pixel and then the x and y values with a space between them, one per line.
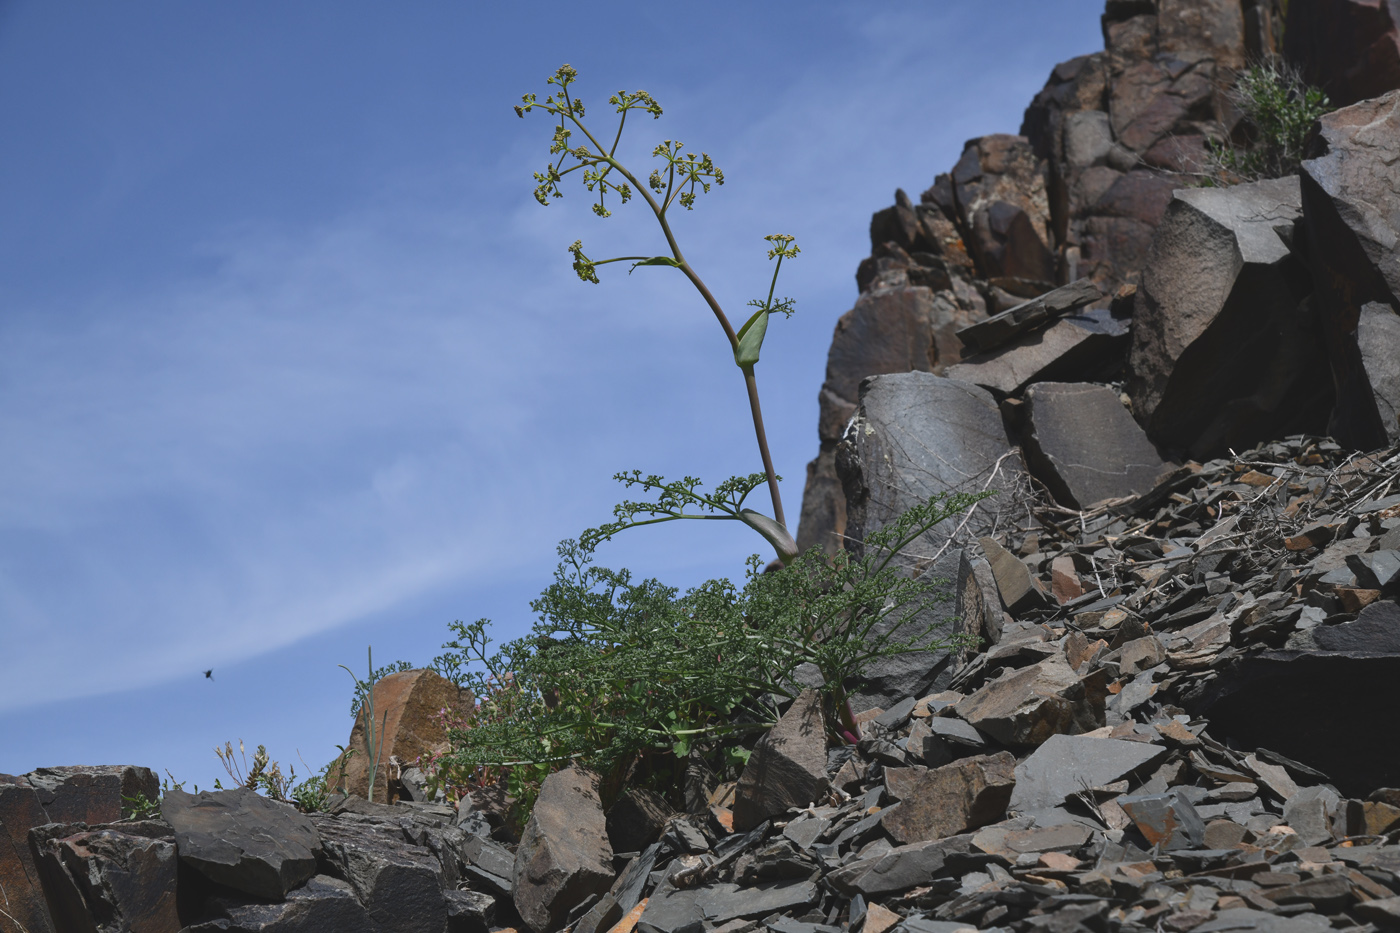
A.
pixel 752 384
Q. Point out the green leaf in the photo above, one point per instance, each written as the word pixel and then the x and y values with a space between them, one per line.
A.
pixel 655 261
pixel 751 339
pixel 774 533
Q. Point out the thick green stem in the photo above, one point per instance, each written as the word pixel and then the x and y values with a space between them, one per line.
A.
pixel 752 385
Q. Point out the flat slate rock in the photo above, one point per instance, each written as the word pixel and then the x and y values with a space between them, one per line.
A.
pixel 1001 328
pixel 1066 764
pixel 787 767
pixel 1085 446
pixel 240 839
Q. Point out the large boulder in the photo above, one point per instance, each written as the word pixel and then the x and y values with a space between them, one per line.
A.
pixel 1085 446
pixel 564 856
pixel 1349 48
pixel 999 186
pixel 90 794
pixel 242 840
pixel 399 884
pixel 108 879
pixel 20 811
pixel 1225 351
pixel 890 330
pixel 1349 192
pixel 787 767
pixel 407 710
pixel 917 435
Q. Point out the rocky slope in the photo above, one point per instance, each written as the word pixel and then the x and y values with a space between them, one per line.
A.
pixel 1179 715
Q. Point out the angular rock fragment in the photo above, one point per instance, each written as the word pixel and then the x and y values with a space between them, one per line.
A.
pixel 946 801
pixel 787 767
pixel 1225 353
pixel 564 855
pixel 1020 592
pixel 1082 346
pixel 399 884
pixel 19 810
pixel 1065 765
pixel 916 436
pixel 1085 446
pixel 1000 328
pixel 91 794
pixel 240 839
pixel 1347 186
pixel 899 869
pixel 109 878
pixel 1167 820
pixel 1028 706
pixel 636 820
pixel 322 903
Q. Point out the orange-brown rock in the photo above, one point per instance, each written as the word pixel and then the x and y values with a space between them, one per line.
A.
pixel 407 709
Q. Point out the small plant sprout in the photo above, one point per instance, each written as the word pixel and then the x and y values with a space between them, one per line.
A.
pixel 683 176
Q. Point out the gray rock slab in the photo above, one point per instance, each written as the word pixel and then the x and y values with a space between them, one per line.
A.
pixel 1375 570
pixel 240 839
pixel 1378 341
pixel 957 731
pixel 672 910
pixel 323 904
pixel 721 903
pixel 1167 820
pixel 1349 191
pixel 1311 813
pixel 91 794
pixel 19 811
pixel 915 436
pixel 1067 349
pixel 1066 764
pixel 1374 633
pixel 1001 328
pixel 469 911
pixel 1224 351
pixel 787 767
pixel 399 884
pixel 1019 591
pixel 1029 705
pixel 564 856
pixel 1085 446
pixel 900 869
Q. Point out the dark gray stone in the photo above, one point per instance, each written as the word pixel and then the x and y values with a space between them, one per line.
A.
pixel 1348 195
pixel 564 856
pixel 787 767
pixel 897 715
pixel 1378 341
pixel 1375 632
pixel 1375 570
pixel 399 884
pixel 240 839
pixel 916 436
pixel 1001 328
pixel 1085 446
pixel 900 869
pixel 1311 812
pixel 469 911
pixel 322 905
pixel 1029 705
pixel 110 878
pixel 626 892
pixel 957 732
pixel 1073 347
pixel 721 903
pixel 1020 592
pixel 672 910
pixel 487 865
pixel 1066 764
pixel 1166 819
pixel 1225 353
pixel 637 819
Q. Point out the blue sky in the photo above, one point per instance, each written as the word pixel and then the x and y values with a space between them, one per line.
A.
pixel 291 362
